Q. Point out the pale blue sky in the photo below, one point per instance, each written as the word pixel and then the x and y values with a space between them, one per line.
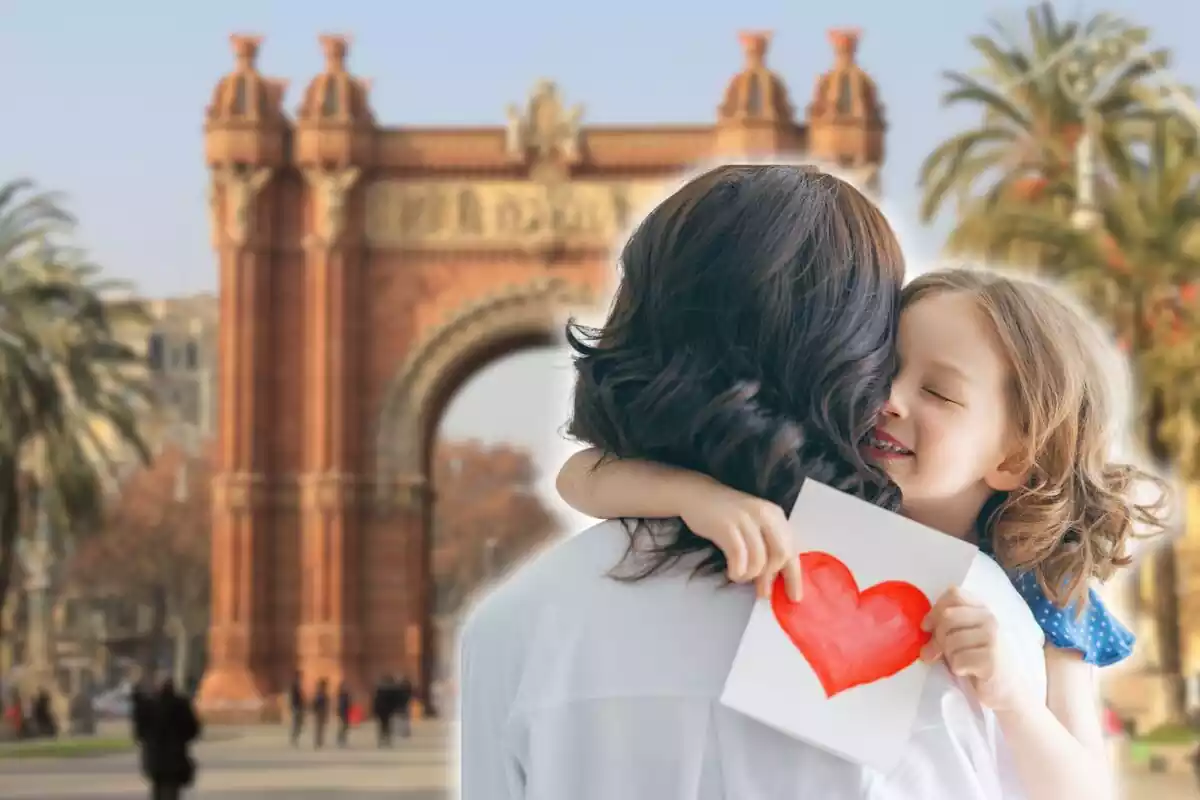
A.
pixel 105 99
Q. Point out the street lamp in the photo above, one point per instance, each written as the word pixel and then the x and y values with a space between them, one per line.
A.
pixel 1088 77
pixel 1092 68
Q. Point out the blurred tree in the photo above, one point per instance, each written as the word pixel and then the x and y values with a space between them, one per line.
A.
pixel 71 387
pixel 154 548
pixel 487 517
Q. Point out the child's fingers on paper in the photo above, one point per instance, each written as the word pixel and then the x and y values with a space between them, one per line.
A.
pixel 793 579
pixel 734 547
pixel 975 662
pixel 955 618
pixel 779 541
pixel 790 575
pixel 946 627
pixel 744 552
pixel 964 639
pixel 934 616
pixel 756 550
pixel 950 609
pixel 779 549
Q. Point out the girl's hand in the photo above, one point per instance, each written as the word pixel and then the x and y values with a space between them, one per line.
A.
pixel 752 533
pixel 966 635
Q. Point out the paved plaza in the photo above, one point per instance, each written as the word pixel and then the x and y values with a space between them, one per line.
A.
pixel 258 763
pixel 251 764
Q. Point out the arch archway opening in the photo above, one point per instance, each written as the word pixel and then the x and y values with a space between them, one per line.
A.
pixel 486 513
pixel 525 320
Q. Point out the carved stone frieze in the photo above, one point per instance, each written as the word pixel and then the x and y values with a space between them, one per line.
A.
pixel 503 215
pixel 232 202
pixel 330 190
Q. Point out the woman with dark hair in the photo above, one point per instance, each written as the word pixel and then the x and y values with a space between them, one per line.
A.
pixel 751 339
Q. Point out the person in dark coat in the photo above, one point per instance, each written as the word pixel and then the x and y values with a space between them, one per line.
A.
pixel 344 702
pixel 44 723
pixel 296 706
pixel 382 709
pixel 320 712
pixel 403 704
pixel 168 727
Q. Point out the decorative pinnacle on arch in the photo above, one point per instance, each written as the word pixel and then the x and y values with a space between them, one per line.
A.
pixel 755 44
pixel 245 49
pixel 845 43
pixel 336 46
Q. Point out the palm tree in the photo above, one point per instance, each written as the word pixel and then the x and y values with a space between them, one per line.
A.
pixel 1022 150
pixel 1141 271
pixel 71 388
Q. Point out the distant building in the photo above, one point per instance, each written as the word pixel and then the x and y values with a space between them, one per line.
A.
pixel 181 358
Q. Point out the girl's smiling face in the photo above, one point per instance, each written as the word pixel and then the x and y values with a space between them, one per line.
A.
pixel 945 435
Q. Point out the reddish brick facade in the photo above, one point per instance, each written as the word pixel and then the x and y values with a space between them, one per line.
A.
pixel 341 340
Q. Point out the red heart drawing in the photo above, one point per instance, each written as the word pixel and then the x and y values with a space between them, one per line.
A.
pixel 851 638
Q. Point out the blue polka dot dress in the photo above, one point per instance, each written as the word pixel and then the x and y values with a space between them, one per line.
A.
pixel 1095 633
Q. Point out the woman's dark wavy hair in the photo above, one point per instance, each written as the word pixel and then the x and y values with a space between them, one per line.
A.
pixel 751 338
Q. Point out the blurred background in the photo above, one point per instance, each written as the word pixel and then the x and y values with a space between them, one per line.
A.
pixel 279 326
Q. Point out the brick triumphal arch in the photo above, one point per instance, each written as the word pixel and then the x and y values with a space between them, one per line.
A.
pixel 365 271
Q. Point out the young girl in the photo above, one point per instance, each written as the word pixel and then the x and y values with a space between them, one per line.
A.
pixel 997 431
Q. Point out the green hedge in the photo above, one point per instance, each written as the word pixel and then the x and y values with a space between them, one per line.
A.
pixel 1170 734
pixel 66 748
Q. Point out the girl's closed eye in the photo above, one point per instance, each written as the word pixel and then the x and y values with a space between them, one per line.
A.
pixel 941 395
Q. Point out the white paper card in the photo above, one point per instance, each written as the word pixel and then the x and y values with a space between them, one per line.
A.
pixel 853 623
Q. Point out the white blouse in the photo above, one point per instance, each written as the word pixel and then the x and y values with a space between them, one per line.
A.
pixel 575 686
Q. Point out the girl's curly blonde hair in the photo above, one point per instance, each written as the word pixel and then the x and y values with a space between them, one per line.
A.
pixel 1073 519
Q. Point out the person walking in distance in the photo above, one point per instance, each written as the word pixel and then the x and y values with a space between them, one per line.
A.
pixel 168 727
pixel 344 701
pixel 382 709
pixel 296 706
pixel 404 696
pixel 320 712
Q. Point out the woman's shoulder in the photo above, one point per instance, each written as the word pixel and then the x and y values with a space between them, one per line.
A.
pixel 1095 632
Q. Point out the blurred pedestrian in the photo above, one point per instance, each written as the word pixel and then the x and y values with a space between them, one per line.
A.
pixel 296 707
pixel 167 726
pixel 344 703
pixel 320 712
